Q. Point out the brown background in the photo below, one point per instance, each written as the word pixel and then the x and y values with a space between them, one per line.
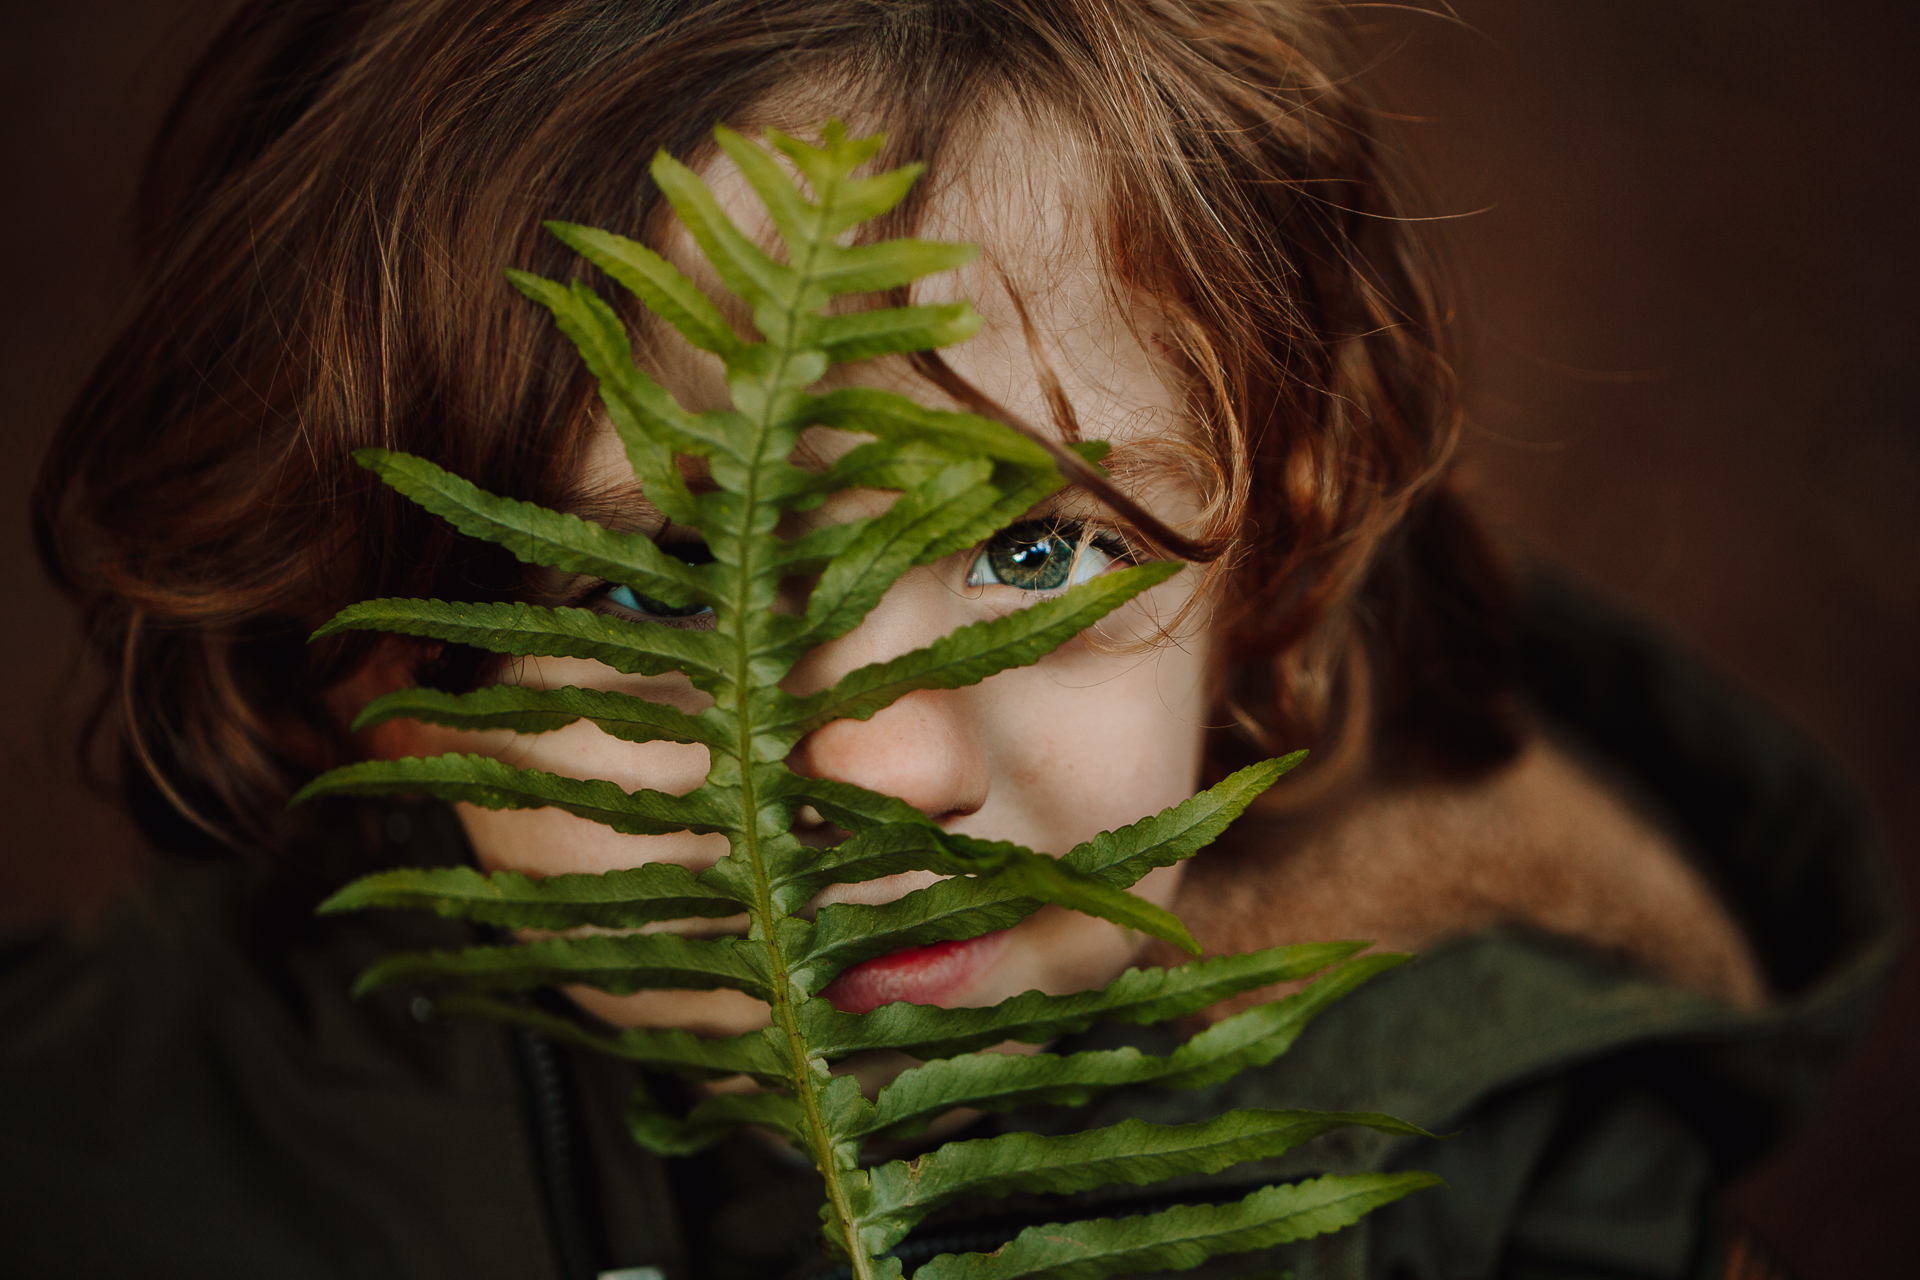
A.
pixel 1688 258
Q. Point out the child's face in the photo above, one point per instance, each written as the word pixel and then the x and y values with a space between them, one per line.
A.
pixel 1093 736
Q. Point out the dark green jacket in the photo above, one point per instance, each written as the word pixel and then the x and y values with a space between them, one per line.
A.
pixel 190 1091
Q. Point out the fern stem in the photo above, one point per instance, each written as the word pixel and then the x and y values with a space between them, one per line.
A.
pixel 800 1060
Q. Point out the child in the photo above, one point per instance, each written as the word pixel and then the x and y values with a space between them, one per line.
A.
pixel 1191 249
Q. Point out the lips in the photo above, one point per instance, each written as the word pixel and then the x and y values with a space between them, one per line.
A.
pixel 919 975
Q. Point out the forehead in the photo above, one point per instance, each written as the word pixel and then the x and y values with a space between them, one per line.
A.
pixel 1028 199
pixel 1039 215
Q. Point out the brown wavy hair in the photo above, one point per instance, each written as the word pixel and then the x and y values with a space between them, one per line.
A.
pixel 332 197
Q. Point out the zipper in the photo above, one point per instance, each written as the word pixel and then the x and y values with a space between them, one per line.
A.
pixel 553 1133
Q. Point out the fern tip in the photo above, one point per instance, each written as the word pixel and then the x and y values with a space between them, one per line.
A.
pixel 537 287
pixel 340 901
pixel 368 983
pixel 306 793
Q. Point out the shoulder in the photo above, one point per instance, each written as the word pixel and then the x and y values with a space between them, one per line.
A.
pixel 1654 815
pixel 1643 944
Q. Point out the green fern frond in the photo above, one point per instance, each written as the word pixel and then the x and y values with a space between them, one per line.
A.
pixel 959 478
pixel 624 899
pixel 1183 1237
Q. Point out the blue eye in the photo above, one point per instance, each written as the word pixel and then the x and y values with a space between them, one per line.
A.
pixel 627 601
pixel 647 607
pixel 1043 555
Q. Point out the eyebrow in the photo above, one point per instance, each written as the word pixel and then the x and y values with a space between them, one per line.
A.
pixel 1128 463
pixel 623 505
pixel 1129 467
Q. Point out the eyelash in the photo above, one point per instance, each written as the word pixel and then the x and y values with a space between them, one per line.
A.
pixel 994 563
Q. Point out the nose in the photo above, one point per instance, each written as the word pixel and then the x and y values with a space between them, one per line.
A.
pixel 927 748
pixel 922 749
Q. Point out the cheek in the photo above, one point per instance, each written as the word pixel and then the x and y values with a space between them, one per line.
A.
pixel 552 841
pixel 1091 740
pixel 548 842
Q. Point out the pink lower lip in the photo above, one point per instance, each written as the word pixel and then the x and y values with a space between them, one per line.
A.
pixel 919 975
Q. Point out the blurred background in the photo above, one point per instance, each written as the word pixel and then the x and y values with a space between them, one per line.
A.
pixel 1683 230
